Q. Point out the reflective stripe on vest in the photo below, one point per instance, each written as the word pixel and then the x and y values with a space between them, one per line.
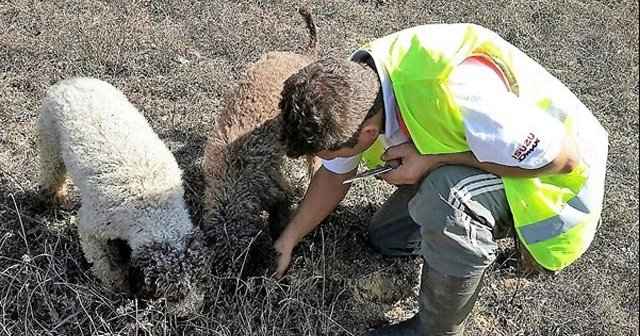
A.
pixel 575 210
pixel 555 216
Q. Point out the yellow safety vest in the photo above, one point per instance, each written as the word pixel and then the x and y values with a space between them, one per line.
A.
pixel 555 216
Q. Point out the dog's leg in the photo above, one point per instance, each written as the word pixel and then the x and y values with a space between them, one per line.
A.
pixel 51 183
pixel 280 212
pixel 262 258
pixel 106 263
pixel 98 254
pixel 283 195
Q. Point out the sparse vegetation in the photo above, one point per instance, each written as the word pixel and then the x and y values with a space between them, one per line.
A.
pixel 174 59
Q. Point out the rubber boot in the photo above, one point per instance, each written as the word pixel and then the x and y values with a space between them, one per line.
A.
pixel 445 304
pixel 410 327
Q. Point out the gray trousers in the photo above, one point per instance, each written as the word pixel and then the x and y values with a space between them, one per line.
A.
pixel 452 217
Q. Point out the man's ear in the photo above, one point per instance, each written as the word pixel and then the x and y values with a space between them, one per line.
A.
pixel 370 130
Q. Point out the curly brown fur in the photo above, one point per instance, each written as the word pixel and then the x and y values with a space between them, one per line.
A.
pixel 243 169
pixel 324 104
pixel 311 26
pixel 160 270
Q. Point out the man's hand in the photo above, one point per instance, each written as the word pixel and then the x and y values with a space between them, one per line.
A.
pixel 325 191
pixel 414 165
pixel 284 256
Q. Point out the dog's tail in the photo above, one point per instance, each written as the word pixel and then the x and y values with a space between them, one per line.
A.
pixel 313 37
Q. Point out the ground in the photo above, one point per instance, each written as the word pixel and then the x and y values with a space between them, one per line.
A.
pixel 174 59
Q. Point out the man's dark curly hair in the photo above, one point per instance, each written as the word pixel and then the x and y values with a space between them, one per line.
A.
pixel 325 104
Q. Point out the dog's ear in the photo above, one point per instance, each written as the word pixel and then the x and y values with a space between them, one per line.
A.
pixel 142 270
pixel 178 274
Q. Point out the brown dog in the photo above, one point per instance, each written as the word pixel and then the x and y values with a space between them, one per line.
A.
pixel 248 195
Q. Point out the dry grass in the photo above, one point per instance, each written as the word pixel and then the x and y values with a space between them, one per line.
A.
pixel 174 59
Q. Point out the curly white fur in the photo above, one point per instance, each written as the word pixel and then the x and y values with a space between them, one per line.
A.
pixel 130 184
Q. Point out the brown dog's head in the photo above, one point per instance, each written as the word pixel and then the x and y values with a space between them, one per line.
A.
pixel 180 275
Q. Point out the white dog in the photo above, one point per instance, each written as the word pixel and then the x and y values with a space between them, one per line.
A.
pixel 133 224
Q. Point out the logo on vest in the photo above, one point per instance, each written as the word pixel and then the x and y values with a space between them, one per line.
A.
pixel 529 144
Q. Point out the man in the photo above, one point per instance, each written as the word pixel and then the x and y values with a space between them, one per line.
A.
pixel 489 142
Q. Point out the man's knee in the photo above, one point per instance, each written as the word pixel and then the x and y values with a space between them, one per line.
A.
pixel 392 231
pixel 379 239
pixel 395 238
pixel 453 242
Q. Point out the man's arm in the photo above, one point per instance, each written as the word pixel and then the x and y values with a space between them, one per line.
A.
pixel 565 162
pixel 415 165
pixel 325 192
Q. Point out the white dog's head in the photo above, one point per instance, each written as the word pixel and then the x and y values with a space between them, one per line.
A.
pixel 160 270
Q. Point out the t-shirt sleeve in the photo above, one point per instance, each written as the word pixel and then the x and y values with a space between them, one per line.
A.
pixel 342 165
pixel 504 129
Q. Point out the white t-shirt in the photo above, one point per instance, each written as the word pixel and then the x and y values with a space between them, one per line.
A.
pixel 499 127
